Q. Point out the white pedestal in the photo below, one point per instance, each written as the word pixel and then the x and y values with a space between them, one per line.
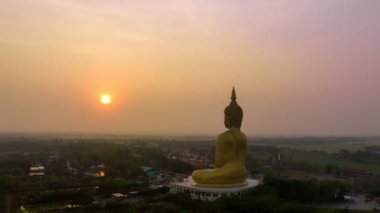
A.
pixel 210 193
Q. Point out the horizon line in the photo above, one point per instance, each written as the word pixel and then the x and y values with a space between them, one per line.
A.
pixel 154 134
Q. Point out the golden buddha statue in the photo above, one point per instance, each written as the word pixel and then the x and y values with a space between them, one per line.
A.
pixel 230 153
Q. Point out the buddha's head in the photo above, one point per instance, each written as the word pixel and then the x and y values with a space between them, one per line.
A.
pixel 233 114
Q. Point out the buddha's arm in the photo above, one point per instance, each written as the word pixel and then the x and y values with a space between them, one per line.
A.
pixel 219 154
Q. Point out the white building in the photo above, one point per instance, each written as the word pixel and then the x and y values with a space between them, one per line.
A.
pixel 36 171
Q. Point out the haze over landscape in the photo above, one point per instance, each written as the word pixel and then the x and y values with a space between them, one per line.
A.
pixel 299 67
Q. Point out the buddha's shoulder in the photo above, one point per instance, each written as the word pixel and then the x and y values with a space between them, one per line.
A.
pixel 224 135
pixel 227 135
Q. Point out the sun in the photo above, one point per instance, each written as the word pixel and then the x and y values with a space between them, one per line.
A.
pixel 105 99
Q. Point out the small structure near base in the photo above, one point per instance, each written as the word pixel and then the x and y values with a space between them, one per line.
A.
pixel 210 193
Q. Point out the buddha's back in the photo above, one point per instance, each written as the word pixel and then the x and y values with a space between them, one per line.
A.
pixel 231 153
pixel 231 146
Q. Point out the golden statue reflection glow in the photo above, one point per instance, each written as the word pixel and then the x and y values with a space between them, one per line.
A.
pixel 230 153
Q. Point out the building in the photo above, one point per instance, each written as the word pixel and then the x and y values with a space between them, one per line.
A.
pixel 150 171
pixel 72 170
pixel 118 196
pixel 51 158
pixel 96 171
pixel 37 171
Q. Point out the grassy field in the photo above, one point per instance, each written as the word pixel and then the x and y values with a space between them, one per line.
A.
pixel 303 175
pixel 316 152
pixel 326 144
pixel 324 159
pixel 329 148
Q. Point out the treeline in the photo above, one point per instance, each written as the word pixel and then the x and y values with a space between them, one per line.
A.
pixel 368 156
pixel 75 196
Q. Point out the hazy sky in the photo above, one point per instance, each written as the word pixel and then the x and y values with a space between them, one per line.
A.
pixel 299 67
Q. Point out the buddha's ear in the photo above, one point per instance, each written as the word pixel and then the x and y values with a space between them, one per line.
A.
pixel 227 121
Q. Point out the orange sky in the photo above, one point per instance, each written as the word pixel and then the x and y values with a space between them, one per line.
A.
pixel 299 67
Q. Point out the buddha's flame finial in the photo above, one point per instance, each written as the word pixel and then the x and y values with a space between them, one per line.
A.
pixel 233 95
